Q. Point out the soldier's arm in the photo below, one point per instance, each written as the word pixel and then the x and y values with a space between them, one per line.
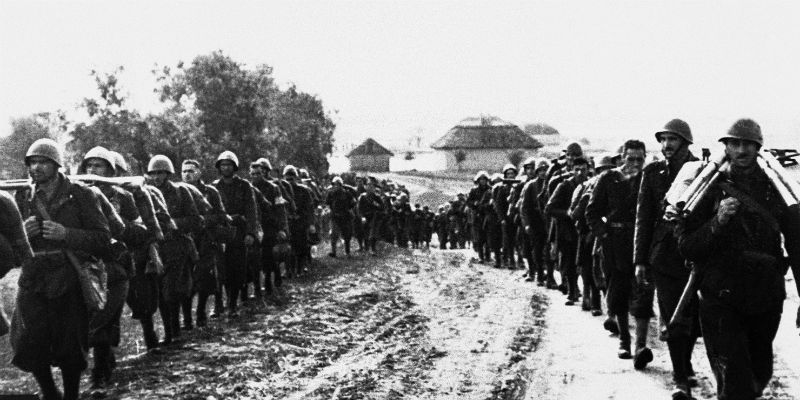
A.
pixel 251 212
pixel 697 234
pixel 94 235
pixel 115 223
pixel 560 198
pixel 646 210
pixel 14 232
pixel 573 212
pixel 597 207
pixel 190 220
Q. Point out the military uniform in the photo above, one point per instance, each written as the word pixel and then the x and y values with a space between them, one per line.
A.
pixel 566 236
pixel 474 203
pixel 342 203
pixel 500 201
pixel 584 258
pixel 51 322
pixel 371 207
pixel 301 224
pixel 14 246
pixel 240 203
pixel 274 219
pixel 534 225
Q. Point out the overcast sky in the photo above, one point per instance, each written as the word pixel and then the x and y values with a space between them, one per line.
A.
pixel 391 69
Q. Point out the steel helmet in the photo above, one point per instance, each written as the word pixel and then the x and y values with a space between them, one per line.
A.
pixel 44 147
pixel 745 129
pixel 97 152
pixel 337 179
pixel 160 162
pixel 229 156
pixel 678 127
pixel 264 163
pixel 119 161
pixel 481 174
pixel 303 173
pixel 497 177
pixel 574 148
pixel 509 166
pixel 606 161
pixel 542 164
pixel 289 170
pixel 529 161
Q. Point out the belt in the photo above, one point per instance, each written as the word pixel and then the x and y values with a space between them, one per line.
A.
pixel 620 225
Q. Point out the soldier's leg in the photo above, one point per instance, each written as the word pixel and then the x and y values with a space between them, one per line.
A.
pixel 680 342
pixel 569 270
pixel 762 329
pixel 71 377
pixel 47 386
pixel 335 233
pixel 166 315
pixel 642 310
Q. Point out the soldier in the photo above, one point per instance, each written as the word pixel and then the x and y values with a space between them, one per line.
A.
pixel 440 226
pixel 427 231
pixel 566 243
pixel 500 198
pixel 456 220
pixel 478 214
pixel 734 237
pixel 656 253
pixel 533 222
pixel 51 322
pixel 240 203
pixel 492 222
pixel 209 240
pixel 14 246
pixel 177 249
pixel 342 203
pixel 401 214
pixel 611 214
pixel 417 226
pixel 143 285
pixel 127 232
pixel 274 221
pixel 302 226
pixel 584 258
pixel 371 208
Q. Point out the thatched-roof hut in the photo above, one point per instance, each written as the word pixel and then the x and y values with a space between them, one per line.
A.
pixel 370 156
pixel 485 143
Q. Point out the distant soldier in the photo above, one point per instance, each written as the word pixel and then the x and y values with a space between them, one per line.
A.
pixel 210 241
pixel 478 212
pixel 584 259
pixel 427 231
pixel 532 218
pixel 500 202
pixel 492 221
pixel 656 254
pixel 342 203
pixel 566 243
pixel 611 214
pixel 734 237
pixel 302 226
pixel 401 215
pixel 417 226
pixel 371 208
pixel 178 249
pixel 51 322
pixel 274 221
pixel 240 203
pixel 440 226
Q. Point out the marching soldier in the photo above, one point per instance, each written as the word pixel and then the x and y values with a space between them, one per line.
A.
pixel 533 222
pixel 492 222
pixel 177 249
pixel 240 203
pixel 478 214
pixel 566 242
pixel 51 321
pixel 126 232
pixel 427 232
pixel 500 199
pixel 584 258
pixel 734 237
pixel 440 225
pixel 274 221
pixel 143 285
pixel 208 275
pixel 342 203
pixel 302 225
pixel 656 253
pixel 611 214
pixel 371 208
pixel 14 246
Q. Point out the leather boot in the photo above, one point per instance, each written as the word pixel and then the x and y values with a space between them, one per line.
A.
pixel 643 354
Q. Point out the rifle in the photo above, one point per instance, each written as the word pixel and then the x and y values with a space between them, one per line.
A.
pixel 19 184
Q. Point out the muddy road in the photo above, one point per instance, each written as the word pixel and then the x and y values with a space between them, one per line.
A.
pixel 407 324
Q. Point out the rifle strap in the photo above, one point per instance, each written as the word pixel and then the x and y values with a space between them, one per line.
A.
pixel 751 204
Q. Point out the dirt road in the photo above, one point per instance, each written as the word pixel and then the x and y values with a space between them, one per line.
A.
pixel 409 324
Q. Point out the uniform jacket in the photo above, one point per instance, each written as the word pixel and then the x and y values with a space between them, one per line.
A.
pixel 304 200
pixel 500 200
pixel 741 262
pixel 14 246
pixel 558 207
pixel 530 211
pixel 615 199
pixel 654 240
pixel 370 204
pixel 274 218
pixel 240 203
pixel 477 203
pixel 342 202
pixel 76 207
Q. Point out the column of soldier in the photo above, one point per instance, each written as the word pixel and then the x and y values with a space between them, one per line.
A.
pixel 164 242
pixel 605 223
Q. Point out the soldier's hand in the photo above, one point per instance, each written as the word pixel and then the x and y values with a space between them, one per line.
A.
pixel 52 230
pixel 727 208
pixel 249 240
pixel 528 230
pixel 312 229
pixel 281 235
pixel 641 274
pixel 32 227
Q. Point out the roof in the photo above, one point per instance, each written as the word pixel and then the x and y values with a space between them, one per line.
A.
pixel 486 133
pixel 370 148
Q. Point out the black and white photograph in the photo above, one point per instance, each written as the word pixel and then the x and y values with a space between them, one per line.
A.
pixel 399 199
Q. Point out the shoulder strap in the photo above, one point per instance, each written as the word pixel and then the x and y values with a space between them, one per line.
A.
pixel 751 203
